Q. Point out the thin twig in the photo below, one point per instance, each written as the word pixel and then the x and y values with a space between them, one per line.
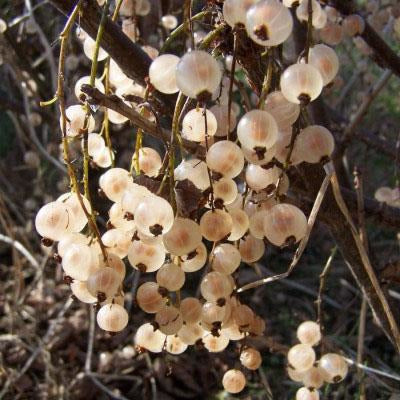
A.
pixel 303 243
pixel 21 249
pixel 394 334
pixel 322 280
pixel 46 340
pixel 367 101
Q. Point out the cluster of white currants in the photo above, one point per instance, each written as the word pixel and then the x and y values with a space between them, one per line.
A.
pixel 303 367
pixel 243 184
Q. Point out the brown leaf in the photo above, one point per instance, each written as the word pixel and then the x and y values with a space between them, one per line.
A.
pixel 153 184
pixel 391 272
pixel 188 197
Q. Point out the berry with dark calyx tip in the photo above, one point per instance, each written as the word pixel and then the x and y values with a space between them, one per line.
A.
pixel 109 225
pixel 101 297
pixel 261 31
pixel 135 236
pixel 57 258
pixel 270 188
pixel 156 230
pixel 67 279
pixel 216 176
pixel 290 241
pixel 191 255
pixel 221 302
pixel 304 99
pixel 163 291
pixel 260 152
pixel 129 216
pixel 199 345
pixel 219 204
pixel 141 267
pixel 155 325
pixel 140 349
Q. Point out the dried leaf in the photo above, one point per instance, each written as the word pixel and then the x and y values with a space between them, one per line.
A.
pixel 153 184
pixel 188 197
pixel 391 272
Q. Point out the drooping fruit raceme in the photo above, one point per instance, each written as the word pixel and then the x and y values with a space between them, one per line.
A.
pixel 269 23
pixel 301 83
pixel 198 75
pixel 285 224
pixel 162 73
